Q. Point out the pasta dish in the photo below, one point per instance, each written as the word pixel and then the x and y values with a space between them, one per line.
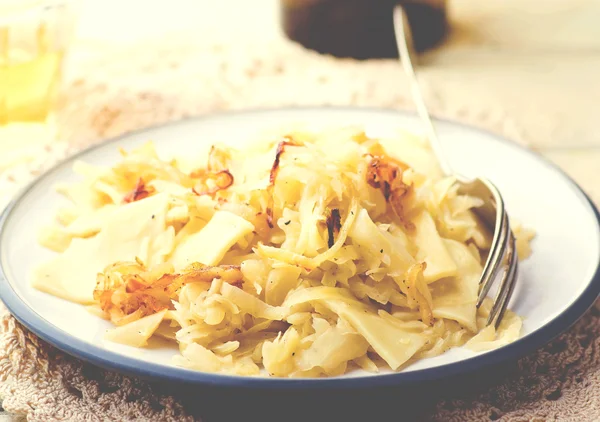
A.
pixel 304 255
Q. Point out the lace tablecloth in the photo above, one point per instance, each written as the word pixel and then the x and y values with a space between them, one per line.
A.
pixel 174 79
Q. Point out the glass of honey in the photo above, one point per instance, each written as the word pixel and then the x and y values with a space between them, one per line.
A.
pixel 34 37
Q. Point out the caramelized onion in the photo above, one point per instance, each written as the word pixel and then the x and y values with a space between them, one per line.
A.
pixel 385 173
pixel 140 191
pixel 221 179
pixel 127 288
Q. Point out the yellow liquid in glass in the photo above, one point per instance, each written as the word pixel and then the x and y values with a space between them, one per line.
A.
pixel 28 80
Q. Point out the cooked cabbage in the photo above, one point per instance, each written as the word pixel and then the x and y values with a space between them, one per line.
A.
pixel 308 255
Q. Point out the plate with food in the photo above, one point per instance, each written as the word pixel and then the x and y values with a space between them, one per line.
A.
pixel 302 247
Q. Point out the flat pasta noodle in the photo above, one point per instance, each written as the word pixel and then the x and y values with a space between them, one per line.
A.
pixel 309 254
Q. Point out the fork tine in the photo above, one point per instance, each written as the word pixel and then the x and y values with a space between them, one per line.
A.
pixel 496 241
pixel 511 288
pixel 496 258
pixel 506 287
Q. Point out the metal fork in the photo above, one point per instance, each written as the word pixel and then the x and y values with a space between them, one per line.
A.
pixel 502 253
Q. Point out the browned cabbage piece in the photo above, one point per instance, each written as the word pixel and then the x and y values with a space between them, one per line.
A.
pixel 128 290
pixel 140 191
pixel 216 175
pixel 334 224
pixel 220 180
pixel 385 173
pixel 281 146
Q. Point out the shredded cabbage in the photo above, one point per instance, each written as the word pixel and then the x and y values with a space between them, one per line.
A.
pixel 305 256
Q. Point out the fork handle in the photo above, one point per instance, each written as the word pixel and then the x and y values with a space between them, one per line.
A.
pixel 404 42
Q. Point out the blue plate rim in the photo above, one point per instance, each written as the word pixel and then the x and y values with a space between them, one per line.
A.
pixel 131 366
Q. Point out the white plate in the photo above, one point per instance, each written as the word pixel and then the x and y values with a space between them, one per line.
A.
pixel 556 285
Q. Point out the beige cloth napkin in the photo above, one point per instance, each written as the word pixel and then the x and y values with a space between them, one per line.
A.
pixel 558 382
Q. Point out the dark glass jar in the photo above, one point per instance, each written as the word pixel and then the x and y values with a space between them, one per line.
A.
pixel 361 29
